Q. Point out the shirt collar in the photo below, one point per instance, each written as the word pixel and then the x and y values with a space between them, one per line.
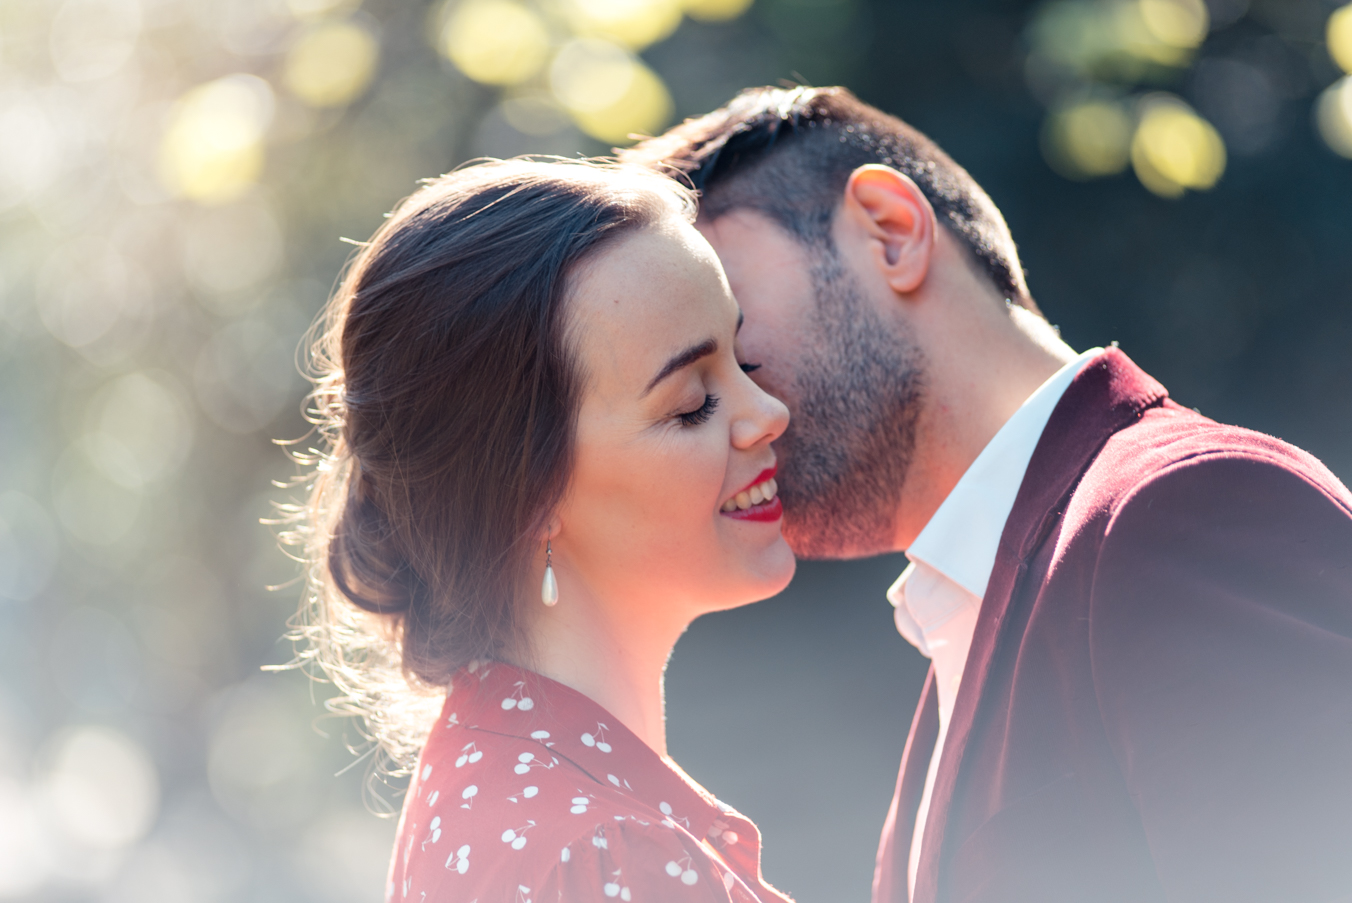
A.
pixel 961 538
pixel 502 699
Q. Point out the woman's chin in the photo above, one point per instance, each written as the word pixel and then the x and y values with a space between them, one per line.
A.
pixel 763 573
pixel 784 566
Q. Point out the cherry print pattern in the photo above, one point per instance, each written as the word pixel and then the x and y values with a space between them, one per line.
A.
pixel 597 738
pixel 560 802
pixel 527 792
pixel 518 700
pixel 459 860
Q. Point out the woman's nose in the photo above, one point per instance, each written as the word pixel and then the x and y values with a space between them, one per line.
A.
pixel 763 418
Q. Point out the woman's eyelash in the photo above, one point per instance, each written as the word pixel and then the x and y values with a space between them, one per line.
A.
pixel 700 414
pixel 749 368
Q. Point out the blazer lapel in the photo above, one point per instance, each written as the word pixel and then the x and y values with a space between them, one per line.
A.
pixel 890 880
pixel 1107 395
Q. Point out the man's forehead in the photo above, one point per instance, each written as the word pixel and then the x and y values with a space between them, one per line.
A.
pixel 741 226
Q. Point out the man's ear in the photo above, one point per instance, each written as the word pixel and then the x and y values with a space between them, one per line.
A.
pixel 895 218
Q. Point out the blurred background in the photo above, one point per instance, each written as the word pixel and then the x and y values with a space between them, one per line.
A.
pixel 176 177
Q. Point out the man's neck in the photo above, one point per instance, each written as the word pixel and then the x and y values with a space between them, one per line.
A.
pixel 969 397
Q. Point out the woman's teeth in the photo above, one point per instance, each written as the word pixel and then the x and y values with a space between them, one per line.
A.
pixel 761 492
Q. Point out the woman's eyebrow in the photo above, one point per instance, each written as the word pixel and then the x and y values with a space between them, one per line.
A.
pixel 683 359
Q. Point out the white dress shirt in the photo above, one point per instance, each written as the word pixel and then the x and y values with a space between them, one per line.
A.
pixel 938 596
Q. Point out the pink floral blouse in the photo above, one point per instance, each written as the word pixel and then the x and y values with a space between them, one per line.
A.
pixel 529 792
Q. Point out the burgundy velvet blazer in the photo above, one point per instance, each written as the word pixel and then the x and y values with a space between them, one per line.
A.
pixel 1157 705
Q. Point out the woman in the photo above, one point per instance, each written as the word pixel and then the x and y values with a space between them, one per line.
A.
pixel 546 460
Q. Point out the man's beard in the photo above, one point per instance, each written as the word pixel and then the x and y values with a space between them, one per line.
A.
pixel 857 394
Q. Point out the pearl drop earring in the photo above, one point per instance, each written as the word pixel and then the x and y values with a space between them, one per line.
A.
pixel 549 590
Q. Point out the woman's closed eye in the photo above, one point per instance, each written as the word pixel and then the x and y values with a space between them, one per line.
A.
pixel 701 414
pixel 749 368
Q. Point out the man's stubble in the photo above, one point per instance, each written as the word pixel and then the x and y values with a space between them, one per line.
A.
pixel 856 397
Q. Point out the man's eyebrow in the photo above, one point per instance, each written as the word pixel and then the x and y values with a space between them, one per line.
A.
pixel 683 359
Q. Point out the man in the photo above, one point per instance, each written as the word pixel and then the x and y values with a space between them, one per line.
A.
pixel 1140 620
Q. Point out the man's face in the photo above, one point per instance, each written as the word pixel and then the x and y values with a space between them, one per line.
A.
pixel 851 378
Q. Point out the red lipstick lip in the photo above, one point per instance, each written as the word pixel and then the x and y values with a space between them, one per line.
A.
pixel 765 512
pixel 764 475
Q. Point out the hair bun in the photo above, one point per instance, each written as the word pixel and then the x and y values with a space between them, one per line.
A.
pixel 365 557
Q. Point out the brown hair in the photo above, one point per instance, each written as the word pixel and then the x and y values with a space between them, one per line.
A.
pixel 787 153
pixel 447 391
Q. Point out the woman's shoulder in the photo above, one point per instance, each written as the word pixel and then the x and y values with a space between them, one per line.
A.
pixel 634 859
pixel 528 791
pixel 552 834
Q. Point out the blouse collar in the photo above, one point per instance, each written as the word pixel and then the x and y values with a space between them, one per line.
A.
pixel 498 698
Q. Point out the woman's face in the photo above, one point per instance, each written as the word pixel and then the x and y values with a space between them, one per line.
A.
pixel 671 436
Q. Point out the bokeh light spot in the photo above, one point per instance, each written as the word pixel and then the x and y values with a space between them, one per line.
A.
pixel 145 416
pixel 257 762
pixel 496 42
pixel 331 64
pixel 230 249
pixel 92 39
pixel 85 288
pixel 27 851
pixel 312 9
pixel 1174 149
pixel 1087 140
pixel 1115 40
pixel 93 490
pixel 1178 23
pixel 244 375
pixel 716 10
pixel 1339 37
pixel 609 93
pixel 591 75
pixel 103 788
pixel 632 23
pixel 30 146
pixel 1333 116
pixel 212 150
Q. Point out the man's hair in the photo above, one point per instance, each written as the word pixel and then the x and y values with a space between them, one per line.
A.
pixel 788 153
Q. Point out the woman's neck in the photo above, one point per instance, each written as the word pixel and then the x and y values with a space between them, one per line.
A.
pixel 616 655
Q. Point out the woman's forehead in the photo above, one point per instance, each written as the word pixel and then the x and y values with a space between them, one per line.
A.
pixel 649 295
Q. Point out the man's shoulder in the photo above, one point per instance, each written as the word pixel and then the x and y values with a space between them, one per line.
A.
pixel 1179 448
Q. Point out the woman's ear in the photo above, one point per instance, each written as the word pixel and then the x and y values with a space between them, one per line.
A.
pixel 890 212
pixel 550 529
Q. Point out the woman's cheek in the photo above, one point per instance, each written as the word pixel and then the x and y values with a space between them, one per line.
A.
pixel 696 473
